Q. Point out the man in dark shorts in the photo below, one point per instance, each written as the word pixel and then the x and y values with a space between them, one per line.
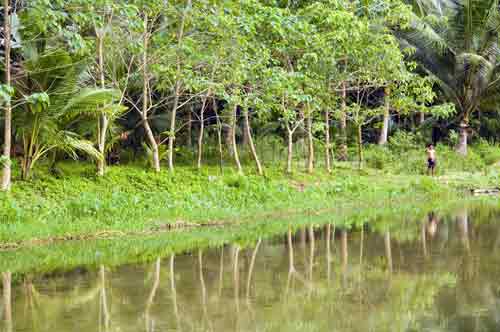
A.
pixel 431 159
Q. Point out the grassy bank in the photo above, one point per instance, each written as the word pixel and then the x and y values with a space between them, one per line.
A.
pixel 132 199
pixel 403 221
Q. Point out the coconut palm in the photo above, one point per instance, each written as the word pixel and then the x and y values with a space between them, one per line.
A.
pixel 456 42
pixel 51 98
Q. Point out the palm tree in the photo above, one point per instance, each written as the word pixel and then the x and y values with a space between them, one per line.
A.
pixel 456 42
pixel 50 100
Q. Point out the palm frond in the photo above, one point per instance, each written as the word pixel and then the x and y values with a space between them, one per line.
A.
pixel 91 101
pixel 71 143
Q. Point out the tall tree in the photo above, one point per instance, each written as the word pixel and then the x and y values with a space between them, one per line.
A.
pixel 6 92
pixel 457 43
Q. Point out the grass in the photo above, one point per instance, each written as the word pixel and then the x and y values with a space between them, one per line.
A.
pixel 133 199
pixel 400 219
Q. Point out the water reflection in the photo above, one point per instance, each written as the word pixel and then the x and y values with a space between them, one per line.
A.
pixel 440 273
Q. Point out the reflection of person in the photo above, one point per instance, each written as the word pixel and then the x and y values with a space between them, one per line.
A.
pixel 431 159
pixel 432 224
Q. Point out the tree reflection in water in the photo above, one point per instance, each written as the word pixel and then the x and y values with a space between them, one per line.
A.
pixel 325 289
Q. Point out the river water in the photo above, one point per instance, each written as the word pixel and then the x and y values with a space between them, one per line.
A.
pixel 440 272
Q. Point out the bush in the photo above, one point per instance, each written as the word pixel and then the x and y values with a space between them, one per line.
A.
pixel 403 141
pixel 379 157
pixel 489 153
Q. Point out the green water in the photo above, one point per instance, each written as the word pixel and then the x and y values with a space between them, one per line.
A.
pixel 440 272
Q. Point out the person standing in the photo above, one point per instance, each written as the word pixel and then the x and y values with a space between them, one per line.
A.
pixel 431 159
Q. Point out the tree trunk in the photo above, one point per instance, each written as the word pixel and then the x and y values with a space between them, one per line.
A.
pixel 178 83
pixel 310 141
pixel 229 138
pixel 463 135
pixel 245 138
pixel 251 143
pixel 103 121
pixel 382 140
pixel 290 150
pixel 171 134
pixel 360 147
pixel 233 141
pixel 421 118
pixel 327 142
pixel 202 131
pixel 342 155
pixel 145 105
pixel 6 174
pixel 189 140
pixel 219 136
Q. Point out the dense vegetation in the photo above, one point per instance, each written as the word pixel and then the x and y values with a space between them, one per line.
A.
pixel 265 86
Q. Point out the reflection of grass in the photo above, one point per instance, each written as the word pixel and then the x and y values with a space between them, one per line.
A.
pixel 399 217
pixel 131 199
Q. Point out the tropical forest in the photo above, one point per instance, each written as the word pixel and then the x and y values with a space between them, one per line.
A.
pixel 249 165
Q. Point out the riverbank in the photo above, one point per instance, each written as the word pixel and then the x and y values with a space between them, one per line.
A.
pixel 130 199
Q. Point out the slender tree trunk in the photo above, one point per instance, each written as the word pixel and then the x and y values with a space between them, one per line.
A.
pixel 189 141
pixel 290 149
pixel 202 130
pixel 327 142
pixel 342 155
pixel 229 138
pixel 233 140
pixel 172 134
pixel 177 89
pixel 463 137
pixel 421 118
pixel 251 143
pixel 219 136
pixel 246 138
pixel 145 104
pixel 382 140
pixel 103 121
pixel 360 147
pixel 310 143
pixel 6 174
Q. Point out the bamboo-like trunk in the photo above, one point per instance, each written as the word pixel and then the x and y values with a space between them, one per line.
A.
pixel 360 147
pixel 310 145
pixel 103 121
pixel 327 142
pixel 145 105
pixel 233 141
pixel 7 145
pixel 382 140
pixel 251 143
